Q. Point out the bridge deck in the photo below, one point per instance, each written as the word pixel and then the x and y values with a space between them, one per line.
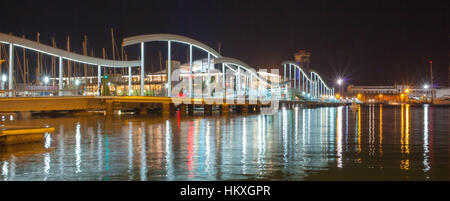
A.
pixel 25 104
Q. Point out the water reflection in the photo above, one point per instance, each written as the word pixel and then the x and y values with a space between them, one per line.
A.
pixel 380 144
pixel 404 163
pixel 295 144
pixel 425 140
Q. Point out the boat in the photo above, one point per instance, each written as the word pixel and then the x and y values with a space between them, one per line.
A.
pixel 20 135
pixel 442 101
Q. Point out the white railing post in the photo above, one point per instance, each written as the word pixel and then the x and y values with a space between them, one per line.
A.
pixel 60 76
pixel 129 80
pixel 10 72
pixel 142 69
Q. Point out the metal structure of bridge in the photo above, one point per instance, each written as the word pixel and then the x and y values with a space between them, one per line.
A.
pixel 234 79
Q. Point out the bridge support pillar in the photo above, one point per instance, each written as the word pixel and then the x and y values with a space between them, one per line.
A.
pixel 143 109
pixel 190 109
pixel 167 109
pixel 109 107
pixel 258 108
pixel 244 108
pixel 208 109
pixel 24 114
pixel 183 109
pixel 225 109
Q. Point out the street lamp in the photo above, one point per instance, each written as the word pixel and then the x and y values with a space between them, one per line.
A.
pixel 426 87
pixel 339 82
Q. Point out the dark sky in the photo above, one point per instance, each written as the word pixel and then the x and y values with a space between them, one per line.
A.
pixel 368 42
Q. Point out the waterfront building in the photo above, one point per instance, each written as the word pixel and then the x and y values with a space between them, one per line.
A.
pixel 397 93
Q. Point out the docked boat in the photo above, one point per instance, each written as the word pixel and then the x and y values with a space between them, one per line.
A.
pixel 17 135
pixel 442 101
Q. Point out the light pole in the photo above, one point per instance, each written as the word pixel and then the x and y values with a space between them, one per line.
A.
pixel 425 86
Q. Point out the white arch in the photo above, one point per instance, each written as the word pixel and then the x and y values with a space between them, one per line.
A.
pixel 45 49
pixel 169 37
pixel 241 64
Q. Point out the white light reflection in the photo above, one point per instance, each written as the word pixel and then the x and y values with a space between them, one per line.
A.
pixel 285 130
pixel 61 150
pixel 78 147
pixel 296 125
pixel 46 165
pixel 261 143
pixel 244 145
pixel 169 154
pixel 304 130
pixel 322 128
pixel 47 140
pixel 5 170
pixel 339 137
pixel 309 126
pixel 208 149
pixel 130 150
pixel 143 170
pixel 12 168
pixel 99 149
pixel 426 162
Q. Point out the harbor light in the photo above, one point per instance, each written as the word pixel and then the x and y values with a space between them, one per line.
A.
pixel 77 82
pixel 4 78
pixel 426 86
pixel 339 81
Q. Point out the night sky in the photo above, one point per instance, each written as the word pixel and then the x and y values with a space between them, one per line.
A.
pixel 367 42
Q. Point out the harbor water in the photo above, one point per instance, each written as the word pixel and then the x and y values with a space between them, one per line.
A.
pixel 326 143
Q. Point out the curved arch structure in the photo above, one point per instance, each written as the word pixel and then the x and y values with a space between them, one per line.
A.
pixel 14 41
pixel 42 48
pixel 236 62
pixel 294 64
pixel 309 82
pixel 169 37
pixel 320 88
pixel 243 65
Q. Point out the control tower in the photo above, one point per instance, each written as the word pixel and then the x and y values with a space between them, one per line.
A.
pixel 302 57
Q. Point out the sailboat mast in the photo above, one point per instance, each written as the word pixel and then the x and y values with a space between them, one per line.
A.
pixel 69 63
pixel 38 66
pixel 113 48
pixel 85 54
pixel 24 67
pixel 54 63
